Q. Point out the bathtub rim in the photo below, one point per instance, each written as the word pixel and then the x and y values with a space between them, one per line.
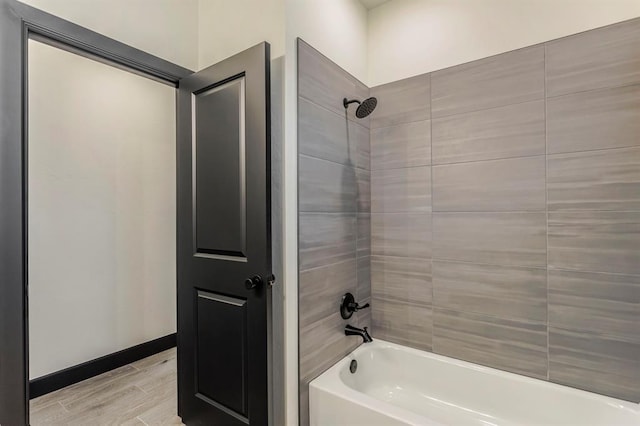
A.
pixel 329 381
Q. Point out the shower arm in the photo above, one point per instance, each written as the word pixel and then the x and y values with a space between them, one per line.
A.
pixel 346 102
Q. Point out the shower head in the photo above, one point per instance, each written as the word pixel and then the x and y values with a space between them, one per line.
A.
pixel 365 107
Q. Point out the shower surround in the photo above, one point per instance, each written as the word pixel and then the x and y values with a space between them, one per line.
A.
pixel 333 218
pixel 504 212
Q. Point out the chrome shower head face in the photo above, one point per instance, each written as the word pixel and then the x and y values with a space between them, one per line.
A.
pixel 365 107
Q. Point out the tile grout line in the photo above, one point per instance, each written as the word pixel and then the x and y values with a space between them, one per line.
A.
pixel 535 99
pixel 357 234
pixel 370 233
pixel 333 263
pixel 614 87
pixel 621 274
pixel 333 213
pixel 484 160
pixel 546 202
pixel 386 169
pixel 393 257
pixel 582 151
pixel 596 334
pixel 349 166
pixel 431 198
pixel 443 212
pixel 349 118
pixel 543 98
pixel 540 322
pixel 515 266
pixel 576 210
pixel 474 263
pixel 402 123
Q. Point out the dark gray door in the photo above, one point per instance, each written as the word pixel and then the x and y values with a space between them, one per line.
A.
pixel 224 244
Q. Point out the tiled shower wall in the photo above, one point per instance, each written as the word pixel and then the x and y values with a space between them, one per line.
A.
pixel 505 211
pixel 334 205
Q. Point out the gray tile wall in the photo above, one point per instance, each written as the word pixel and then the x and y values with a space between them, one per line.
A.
pixel 593 199
pixel 505 211
pixel 401 206
pixel 334 214
pixel 489 211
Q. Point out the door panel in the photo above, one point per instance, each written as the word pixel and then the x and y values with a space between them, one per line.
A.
pixel 219 116
pixel 224 240
pixel 222 369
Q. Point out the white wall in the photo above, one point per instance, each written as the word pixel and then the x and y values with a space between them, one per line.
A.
pixel 101 209
pixel 337 28
pixel 410 37
pixel 165 28
pixel 228 27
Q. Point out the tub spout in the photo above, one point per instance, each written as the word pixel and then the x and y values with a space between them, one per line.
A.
pixel 350 330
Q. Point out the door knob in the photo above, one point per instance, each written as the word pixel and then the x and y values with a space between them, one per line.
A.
pixel 253 282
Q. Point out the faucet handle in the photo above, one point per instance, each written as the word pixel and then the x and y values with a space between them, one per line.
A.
pixel 349 305
pixel 357 307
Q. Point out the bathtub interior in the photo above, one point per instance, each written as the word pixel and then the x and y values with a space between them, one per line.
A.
pixel 450 391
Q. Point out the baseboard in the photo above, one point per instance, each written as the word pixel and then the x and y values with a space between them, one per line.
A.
pixel 63 378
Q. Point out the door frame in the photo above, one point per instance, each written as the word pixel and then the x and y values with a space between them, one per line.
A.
pixel 18 24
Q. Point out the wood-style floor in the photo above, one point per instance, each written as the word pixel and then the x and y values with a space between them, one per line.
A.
pixel 142 393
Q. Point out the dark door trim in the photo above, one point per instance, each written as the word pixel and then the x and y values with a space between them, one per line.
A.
pixel 18 23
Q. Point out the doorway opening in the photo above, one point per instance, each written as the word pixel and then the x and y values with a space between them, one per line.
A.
pixel 98 232
pixel 101 167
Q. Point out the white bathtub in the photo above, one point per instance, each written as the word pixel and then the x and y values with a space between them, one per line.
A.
pixel 396 385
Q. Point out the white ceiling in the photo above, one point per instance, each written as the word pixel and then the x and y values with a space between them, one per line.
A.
pixel 370 4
